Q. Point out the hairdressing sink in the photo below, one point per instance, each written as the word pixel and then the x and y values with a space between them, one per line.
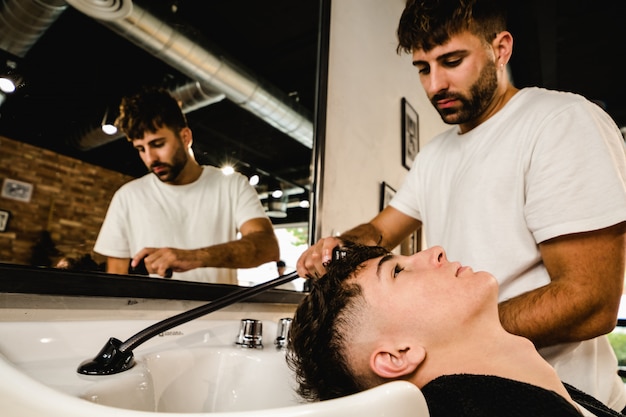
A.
pixel 193 368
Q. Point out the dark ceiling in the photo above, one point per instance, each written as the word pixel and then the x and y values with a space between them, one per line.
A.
pixel 79 69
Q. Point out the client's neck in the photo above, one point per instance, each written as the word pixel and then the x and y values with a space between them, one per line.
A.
pixel 492 352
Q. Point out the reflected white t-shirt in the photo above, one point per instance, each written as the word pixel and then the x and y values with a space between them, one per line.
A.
pixel 149 213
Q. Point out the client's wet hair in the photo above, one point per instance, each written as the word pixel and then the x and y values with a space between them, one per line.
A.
pixel 318 336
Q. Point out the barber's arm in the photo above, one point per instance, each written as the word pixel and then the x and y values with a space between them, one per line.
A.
pixel 258 244
pixel 582 299
pixel 387 229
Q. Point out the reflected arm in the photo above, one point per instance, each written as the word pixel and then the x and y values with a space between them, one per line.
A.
pixel 117 265
pixel 258 245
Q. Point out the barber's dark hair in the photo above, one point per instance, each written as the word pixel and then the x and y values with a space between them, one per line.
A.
pixel 149 110
pixel 316 348
pixel 425 24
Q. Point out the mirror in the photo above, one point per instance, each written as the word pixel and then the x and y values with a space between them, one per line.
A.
pixel 245 71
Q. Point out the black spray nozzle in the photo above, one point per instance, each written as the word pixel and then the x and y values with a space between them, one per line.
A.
pixel 110 360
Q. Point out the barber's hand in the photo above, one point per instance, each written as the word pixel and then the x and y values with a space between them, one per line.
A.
pixel 163 261
pixel 311 262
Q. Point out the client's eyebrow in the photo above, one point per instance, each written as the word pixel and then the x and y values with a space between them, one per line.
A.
pixel 381 262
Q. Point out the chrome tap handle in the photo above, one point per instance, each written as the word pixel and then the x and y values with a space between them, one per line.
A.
pixel 282 332
pixel 250 333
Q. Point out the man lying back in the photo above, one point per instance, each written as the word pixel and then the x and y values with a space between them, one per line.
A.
pixel 375 317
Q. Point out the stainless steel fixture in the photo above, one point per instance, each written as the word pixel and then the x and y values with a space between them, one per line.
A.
pixel 250 334
pixel 282 332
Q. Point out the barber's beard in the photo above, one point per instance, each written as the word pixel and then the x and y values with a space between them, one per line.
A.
pixel 480 95
pixel 174 168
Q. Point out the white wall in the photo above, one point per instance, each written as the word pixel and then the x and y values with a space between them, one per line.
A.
pixel 367 80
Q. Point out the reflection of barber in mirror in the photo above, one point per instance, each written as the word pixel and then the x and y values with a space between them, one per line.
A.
pixel 280 267
pixel 181 216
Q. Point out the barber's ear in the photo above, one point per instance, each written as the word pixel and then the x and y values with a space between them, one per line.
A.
pixel 503 47
pixel 397 363
pixel 186 136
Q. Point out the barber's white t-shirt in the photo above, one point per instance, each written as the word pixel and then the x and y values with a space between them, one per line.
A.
pixel 548 164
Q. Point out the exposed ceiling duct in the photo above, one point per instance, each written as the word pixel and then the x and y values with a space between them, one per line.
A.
pixel 212 72
pixel 22 22
pixel 21 25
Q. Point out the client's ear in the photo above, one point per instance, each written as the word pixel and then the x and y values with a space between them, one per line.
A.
pixel 394 363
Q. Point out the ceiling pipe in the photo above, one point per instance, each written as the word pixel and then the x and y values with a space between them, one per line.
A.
pixel 211 71
pixel 193 96
pixel 21 25
pixel 22 22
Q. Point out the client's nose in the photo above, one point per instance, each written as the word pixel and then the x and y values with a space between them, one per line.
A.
pixel 436 255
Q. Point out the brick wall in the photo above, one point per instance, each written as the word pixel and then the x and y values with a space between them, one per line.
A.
pixel 69 200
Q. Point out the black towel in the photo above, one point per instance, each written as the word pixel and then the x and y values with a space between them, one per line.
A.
pixel 492 396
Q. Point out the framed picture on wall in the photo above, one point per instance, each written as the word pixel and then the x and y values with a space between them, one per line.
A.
pixel 386 194
pixel 4 220
pixel 412 244
pixel 410 134
pixel 17 190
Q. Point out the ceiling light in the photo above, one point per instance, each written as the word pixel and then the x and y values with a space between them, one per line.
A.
pixel 107 128
pixel 10 78
pixel 254 180
pixel 227 170
pixel 277 207
pixel 7 85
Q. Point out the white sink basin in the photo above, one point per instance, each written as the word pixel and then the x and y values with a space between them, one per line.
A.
pixel 193 368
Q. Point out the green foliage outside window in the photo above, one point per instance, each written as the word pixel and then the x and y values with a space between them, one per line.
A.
pixel 618 341
pixel 300 235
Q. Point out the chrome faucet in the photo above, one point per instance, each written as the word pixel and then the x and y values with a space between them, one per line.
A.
pixel 282 332
pixel 250 334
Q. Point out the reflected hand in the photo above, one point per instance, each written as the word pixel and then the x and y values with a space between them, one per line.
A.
pixel 164 261
pixel 311 263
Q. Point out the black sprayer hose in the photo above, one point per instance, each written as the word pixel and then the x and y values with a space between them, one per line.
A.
pixel 117 356
pixel 186 316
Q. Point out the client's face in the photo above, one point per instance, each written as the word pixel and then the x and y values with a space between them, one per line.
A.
pixel 424 293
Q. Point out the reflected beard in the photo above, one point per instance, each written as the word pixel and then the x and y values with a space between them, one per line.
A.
pixel 470 108
pixel 173 170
